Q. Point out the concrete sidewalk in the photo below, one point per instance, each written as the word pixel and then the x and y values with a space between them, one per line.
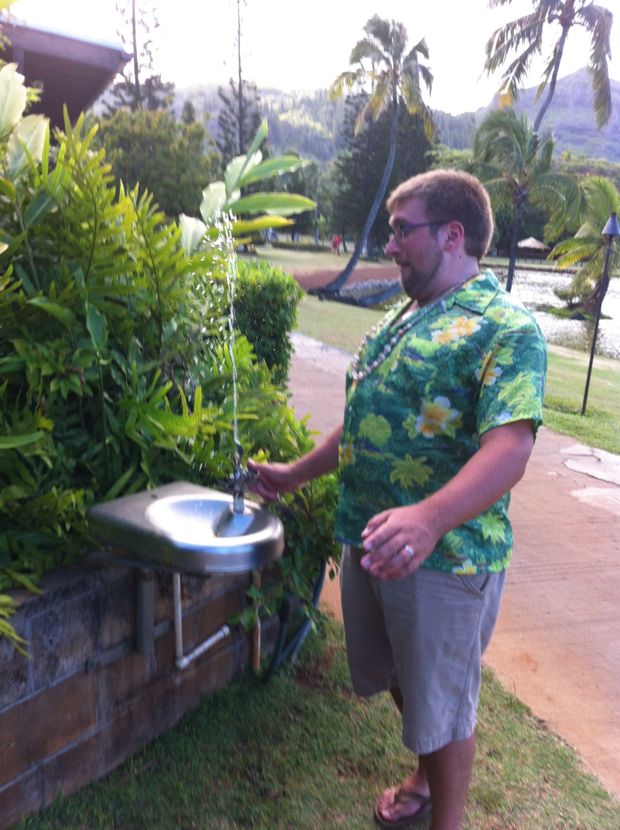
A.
pixel 557 643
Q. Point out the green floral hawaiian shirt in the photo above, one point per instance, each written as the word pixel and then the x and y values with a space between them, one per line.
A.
pixel 471 362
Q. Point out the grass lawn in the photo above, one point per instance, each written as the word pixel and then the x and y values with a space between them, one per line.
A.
pixel 302 752
pixel 343 326
pixel 297 260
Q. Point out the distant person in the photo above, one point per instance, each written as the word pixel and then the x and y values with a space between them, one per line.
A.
pixel 443 402
pixel 336 243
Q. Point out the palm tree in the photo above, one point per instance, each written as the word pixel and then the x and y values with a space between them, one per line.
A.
pixel 514 163
pixel 588 246
pixel 526 34
pixel 395 75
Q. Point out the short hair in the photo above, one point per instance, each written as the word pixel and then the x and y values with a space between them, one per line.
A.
pixel 451 195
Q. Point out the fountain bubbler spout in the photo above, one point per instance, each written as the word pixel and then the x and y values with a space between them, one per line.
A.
pixel 240 479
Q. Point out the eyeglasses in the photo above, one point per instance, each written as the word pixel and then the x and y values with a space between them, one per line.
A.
pixel 403 229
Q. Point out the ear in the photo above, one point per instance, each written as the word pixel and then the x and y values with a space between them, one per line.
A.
pixel 455 235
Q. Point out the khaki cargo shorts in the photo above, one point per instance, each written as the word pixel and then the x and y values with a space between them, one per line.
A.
pixel 424 634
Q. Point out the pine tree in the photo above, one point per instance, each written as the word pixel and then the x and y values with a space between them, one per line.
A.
pixel 238 120
pixel 140 87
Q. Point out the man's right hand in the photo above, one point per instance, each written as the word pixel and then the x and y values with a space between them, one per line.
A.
pixel 273 479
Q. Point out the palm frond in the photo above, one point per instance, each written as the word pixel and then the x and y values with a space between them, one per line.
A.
pixel 381 30
pixel 344 83
pixel 421 47
pixel 598 21
pixel 367 50
pixel 526 30
pixel 515 74
pixel 603 199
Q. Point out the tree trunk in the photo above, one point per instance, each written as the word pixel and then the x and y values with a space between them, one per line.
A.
pixel 342 278
pixel 516 230
pixel 554 77
pixel 240 101
pixel 597 295
pixel 136 69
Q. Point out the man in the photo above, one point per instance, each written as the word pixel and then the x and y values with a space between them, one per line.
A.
pixel 443 402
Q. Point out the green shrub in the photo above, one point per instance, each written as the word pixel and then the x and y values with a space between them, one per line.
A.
pixel 116 372
pixel 266 305
pixel 312 247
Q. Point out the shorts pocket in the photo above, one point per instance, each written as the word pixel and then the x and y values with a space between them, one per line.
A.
pixel 474 583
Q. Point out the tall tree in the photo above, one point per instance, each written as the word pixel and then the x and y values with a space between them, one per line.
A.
pixel 358 168
pixel 164 156
pixel 141 87
pixel 588 246
pixel 514 163
pixel 525 36
pixel 395 76
pixel 238 120
pixel 240 116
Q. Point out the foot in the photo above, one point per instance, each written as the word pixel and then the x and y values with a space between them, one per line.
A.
pixel 399 807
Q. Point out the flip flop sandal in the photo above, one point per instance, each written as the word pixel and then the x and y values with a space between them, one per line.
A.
pixel 401 797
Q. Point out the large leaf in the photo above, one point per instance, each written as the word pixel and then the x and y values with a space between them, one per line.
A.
pixel 12 442
pixel 192 232
pixel 261 223
pixel 284 204
pixel 273 167
pixel 238 167
pixel 41 204
pixel 97 327
pixel 65 315
pixel 26 144
pixel 213 201
pixel 12 98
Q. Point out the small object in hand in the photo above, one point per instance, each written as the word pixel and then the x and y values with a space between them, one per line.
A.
pixel 409 551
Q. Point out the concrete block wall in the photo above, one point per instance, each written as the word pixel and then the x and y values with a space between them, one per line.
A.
pixel 86 700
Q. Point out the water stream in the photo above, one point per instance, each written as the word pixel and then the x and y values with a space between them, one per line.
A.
pixel 226 247
pixel 536 288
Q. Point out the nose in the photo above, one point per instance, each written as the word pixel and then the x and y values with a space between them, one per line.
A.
pixel 391 246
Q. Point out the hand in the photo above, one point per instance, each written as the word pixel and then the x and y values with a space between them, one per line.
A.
pixel 399 540
pixel 273 479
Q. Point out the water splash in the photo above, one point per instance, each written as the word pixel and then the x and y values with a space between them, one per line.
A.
pixel 228 258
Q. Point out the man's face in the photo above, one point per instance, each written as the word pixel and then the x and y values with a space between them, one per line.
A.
pixel 416 250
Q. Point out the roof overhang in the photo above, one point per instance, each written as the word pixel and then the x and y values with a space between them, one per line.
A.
pixel 71 71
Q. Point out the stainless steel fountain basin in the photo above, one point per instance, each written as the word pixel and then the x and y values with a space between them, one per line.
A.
pixel 188 528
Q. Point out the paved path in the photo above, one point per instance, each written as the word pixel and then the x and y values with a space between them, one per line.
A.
pixel 557 643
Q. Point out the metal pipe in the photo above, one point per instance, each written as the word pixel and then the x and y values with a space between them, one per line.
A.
pixel 182 661
pixel 599 308
pixel 256 631
pixel 145 612
pixel 178 615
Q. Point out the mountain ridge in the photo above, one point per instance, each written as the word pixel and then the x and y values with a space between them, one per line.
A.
pixel 310 123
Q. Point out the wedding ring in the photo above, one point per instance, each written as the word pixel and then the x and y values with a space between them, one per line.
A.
pixel 409 551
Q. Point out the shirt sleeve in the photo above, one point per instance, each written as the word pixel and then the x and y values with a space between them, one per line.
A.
pixel 512 377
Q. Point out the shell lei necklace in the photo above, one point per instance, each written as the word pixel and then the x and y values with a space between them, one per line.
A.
pixel 358 374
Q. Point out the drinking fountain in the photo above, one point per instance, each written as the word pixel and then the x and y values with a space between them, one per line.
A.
pixel 187 529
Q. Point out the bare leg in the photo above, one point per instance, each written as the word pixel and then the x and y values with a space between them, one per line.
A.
pixel 413 791
pixel 445 774
pixel 448 771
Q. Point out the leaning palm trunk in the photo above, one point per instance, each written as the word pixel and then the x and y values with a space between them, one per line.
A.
pixel 516 231
pixel 554 77
pixel 342 278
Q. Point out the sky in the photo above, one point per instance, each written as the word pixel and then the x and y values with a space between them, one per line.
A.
pixel 293 45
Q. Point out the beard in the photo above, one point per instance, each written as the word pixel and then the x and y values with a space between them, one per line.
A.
pixel 417 280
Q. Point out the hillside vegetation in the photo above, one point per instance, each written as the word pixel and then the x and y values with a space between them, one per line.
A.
pixel 311 124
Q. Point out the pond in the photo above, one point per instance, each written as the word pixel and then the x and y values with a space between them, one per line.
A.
pixel 536 288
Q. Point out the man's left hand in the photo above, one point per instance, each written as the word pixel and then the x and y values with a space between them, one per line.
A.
pixel 397 541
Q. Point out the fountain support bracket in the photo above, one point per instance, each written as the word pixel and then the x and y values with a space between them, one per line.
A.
pixel 182 660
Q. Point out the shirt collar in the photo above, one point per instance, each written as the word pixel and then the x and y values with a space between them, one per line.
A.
pixel 477 294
